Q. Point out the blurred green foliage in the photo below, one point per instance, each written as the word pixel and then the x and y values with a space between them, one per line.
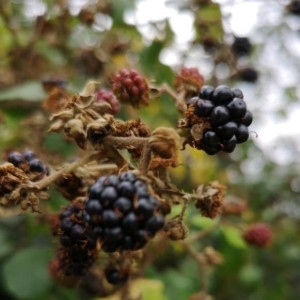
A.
pixel 92 43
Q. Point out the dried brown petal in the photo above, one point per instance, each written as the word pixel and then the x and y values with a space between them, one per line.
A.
pixel 210 199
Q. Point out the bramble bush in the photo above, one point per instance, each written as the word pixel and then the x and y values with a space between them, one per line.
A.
pixel 114 174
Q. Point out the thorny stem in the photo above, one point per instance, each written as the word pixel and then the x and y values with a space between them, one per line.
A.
pixel 67 169
pixel 178 98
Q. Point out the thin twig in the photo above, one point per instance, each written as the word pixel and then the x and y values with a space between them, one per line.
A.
pixel 67 169
pixel 178 98
pixel 145 159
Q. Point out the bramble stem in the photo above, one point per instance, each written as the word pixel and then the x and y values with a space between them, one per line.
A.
pixel 145 159
pixel 123 142
pixel 179 99
pixel 67 169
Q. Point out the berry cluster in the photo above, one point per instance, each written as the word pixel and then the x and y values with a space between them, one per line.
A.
pixel 226 113
pixel 27 161
pixel 78 246
pixel 259 235
pixel 108 96
pixel 130 87
pixel 122 213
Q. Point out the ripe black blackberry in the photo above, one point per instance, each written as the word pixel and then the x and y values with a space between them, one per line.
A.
pixel 293 7
pixel 115 276
pixel 241 46
pixel 248 75
pixel 27 161
pixel 225 115
pixel 121 212
pixel 78 245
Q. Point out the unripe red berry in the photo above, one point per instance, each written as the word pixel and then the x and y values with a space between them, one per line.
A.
pixel 108 96
pixel 130 87
pixel 258 235
pixel 189 79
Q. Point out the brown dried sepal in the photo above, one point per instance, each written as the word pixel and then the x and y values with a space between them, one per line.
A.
pixel 164 142
pixel 232 206
pixel 192 127
pixel 99 128
pixel 131 128
pixel 176 230
pixel 210 199
pixel 10 178
pixel 74 128
pixel 70 186
pixel 56 99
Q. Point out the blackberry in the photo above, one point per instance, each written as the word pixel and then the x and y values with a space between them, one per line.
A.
pixel 223 117
pixel 28 162
pixel 115 276
pixel 126 216
pixel 36 165
pixel 78 243
pixel 293 7
pixel 248 74
pixel 29 155
pixel 241 46
pixel 16 158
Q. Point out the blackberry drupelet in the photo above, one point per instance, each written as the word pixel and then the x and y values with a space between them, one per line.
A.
pixel 122 213
pixel 225 115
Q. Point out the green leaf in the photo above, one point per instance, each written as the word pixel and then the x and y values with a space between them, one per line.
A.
pixel 5 244
pixel 26 274
pixel 148 289
pixel 202 223
pixel 31 91
pixel 233 237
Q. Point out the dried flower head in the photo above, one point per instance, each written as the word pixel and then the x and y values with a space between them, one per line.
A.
pixel 210 199
pixel 164 142
pixel 176 230
pixel 189 79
